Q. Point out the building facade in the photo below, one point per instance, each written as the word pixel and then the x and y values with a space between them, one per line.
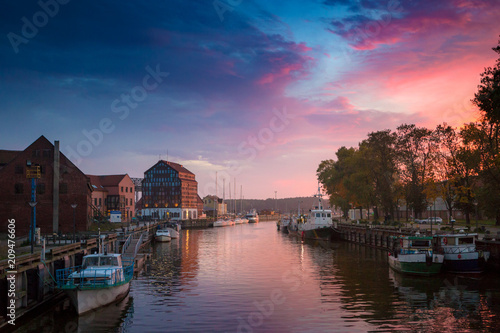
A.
pixel 169 191
pixel 213 203
pixel 113 193
pixel 59 186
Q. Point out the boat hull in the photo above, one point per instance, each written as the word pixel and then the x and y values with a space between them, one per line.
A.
pixel 416 264
pixel 89 299
pixel 163 238
pixel 173 233
pixel 467 263
pixel 317 234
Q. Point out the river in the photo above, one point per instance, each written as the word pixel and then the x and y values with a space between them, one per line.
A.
pixel 252 278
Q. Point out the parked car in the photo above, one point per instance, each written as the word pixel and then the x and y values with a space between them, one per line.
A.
pixel 420 221
pixel 435 220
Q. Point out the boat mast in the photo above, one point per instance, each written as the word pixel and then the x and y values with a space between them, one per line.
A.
pixel 319 195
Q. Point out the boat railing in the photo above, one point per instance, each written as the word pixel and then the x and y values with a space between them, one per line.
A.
pixel 452 249
pixel 94 278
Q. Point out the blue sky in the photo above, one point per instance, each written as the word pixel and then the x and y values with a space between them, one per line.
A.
pixel 260 91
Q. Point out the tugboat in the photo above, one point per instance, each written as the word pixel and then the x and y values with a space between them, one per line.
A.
pixel 318 225
pixel 414 255
pixel 460 252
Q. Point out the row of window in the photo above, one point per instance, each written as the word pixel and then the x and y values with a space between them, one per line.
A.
pixel 127 189
pixel 42 153
pixel 40 188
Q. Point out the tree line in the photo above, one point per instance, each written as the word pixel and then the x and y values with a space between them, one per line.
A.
pixel 413 165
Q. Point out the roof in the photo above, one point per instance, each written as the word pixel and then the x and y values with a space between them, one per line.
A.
pixel 106 180
pixel 95 181
pixel 177 167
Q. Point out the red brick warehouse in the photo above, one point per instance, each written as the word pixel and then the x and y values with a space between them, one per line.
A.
pixel 53 209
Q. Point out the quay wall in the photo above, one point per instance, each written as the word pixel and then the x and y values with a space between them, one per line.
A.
pixel 34 275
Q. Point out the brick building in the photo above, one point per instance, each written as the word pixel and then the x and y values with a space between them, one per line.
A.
pixel 61 184
pixel 113 193
pixel 170 191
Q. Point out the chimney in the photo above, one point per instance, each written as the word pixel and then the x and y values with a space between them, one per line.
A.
pixel 55 194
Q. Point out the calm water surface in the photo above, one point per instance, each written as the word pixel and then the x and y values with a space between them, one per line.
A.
pixel 251 278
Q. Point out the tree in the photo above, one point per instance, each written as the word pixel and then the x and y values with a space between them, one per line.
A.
pixel 415 150
pixel 484 136
pixel 378 152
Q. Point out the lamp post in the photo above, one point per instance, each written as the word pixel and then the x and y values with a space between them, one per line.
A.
pixel 32 224
pixel 475 207
pixel 74 221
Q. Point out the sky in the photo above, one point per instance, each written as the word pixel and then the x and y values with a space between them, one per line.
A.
pixel 255 91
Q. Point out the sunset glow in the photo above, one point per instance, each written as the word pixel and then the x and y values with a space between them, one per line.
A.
pixel 261 91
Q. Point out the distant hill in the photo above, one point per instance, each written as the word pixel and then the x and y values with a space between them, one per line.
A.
pixel 284 205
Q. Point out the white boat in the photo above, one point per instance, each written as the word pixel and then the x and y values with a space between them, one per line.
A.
pixel 174 234
pixel 252 216
pixel 220 223
pixel 163 235
pixel 238 220
pixel 460 252
pixel 102 279
pixel 318 224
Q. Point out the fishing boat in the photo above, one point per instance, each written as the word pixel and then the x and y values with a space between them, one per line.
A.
pixel 460 252
pixel 252 216
pixel 414 255
pixel 102 279
pixel 163 235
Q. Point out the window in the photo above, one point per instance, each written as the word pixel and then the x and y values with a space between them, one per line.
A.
pixel 19 188
pixel 126 201
pixel 19 169
pixel 95 201
pixel 131 190
pixel 100 202
pixel 122 188
pixel 46 152
pixel 63 188
pixel 36 153
pixel 126 189
pixel 40 188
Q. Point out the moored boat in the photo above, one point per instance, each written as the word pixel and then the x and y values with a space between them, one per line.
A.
pixel 163 235
pixel 102 279
pixel 220 223
pixel 283 224
pixel 414 255
pixel 318 225
pixel 460 253
pixel 252 216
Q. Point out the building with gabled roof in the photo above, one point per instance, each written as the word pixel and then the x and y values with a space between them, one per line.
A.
pixel 169 191
pixel 112 193
pixel 61 185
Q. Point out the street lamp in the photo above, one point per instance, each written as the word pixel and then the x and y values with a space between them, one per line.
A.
pixel 74 221
pixel 32 225
pixel 475 205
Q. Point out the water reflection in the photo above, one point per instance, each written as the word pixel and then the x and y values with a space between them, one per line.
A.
pixel 251 278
